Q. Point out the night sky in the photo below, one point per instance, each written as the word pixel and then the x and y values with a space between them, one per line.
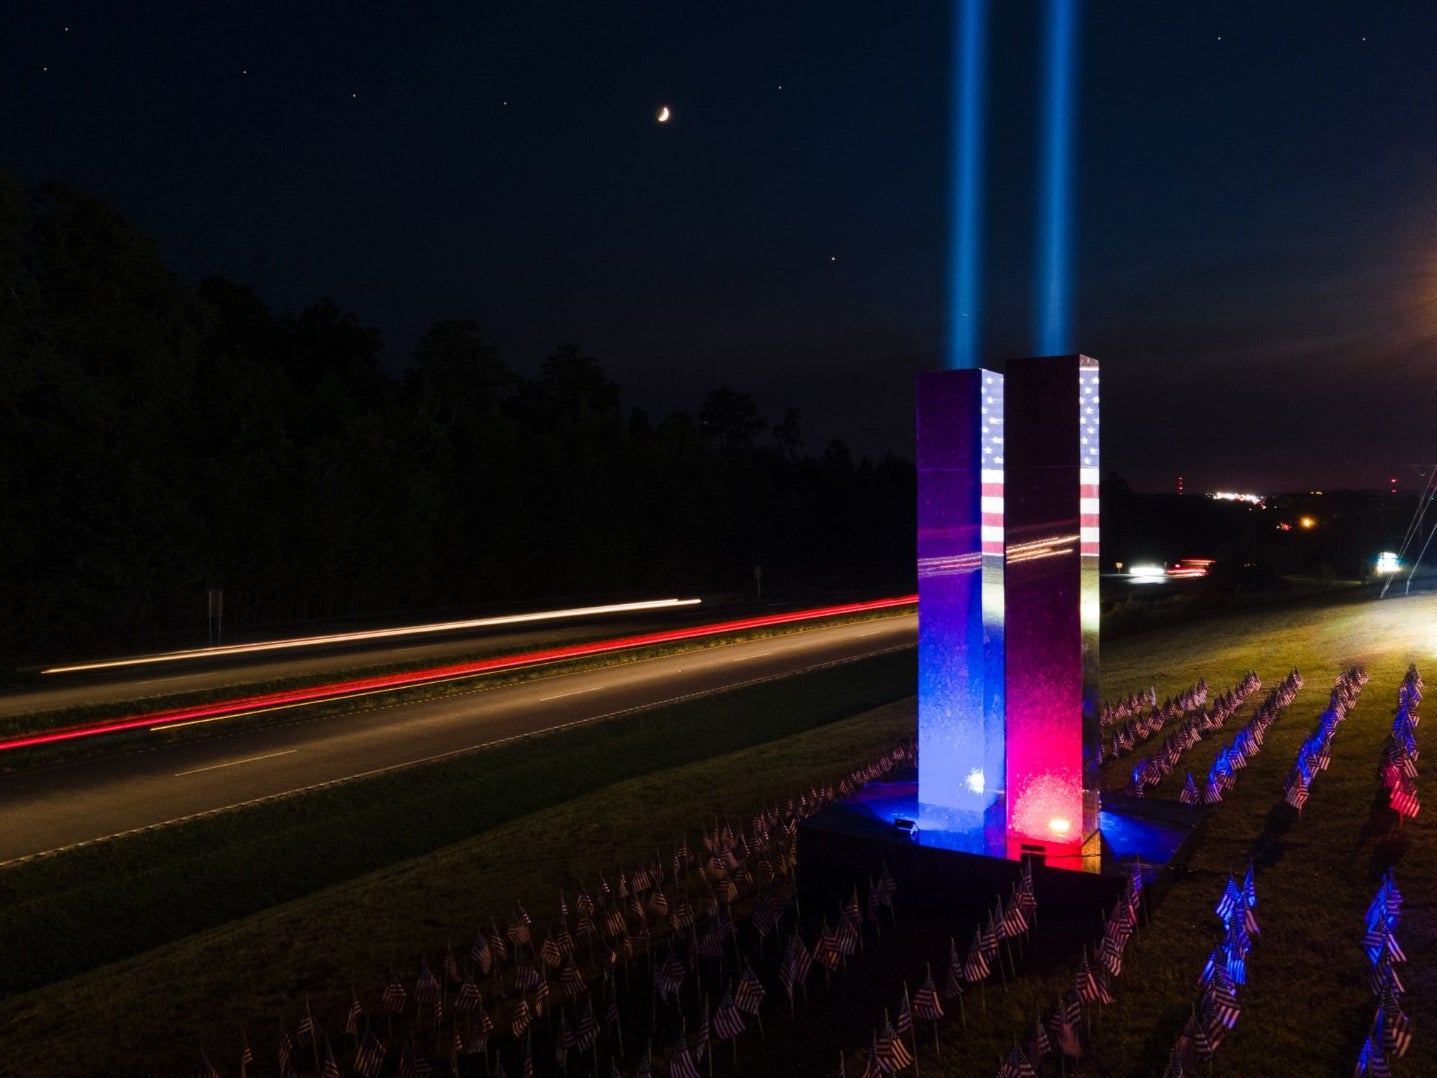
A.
pixel 1254 245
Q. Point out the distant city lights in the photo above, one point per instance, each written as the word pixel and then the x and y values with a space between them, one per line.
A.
pixel 1232 496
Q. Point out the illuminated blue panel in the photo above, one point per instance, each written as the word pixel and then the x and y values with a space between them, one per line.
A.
pixel 960 596
pixel 965 241
pixel 1054 284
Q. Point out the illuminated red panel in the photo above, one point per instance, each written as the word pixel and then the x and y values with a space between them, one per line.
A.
pixel 1050 605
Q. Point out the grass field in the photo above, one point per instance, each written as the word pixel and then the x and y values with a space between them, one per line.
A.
pixel 68 913
pixel 1305 1007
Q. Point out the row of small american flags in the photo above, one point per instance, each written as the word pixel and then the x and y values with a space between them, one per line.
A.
pixel 1390 1033
pixel 1232 758
pixel 1068 1031
pixel 1313 755
pixel 1196 724
pixel 566 991
pixel 1217 1009
pixel 1399 756
pixel 889 1050
pixel 1113 712
pixel 1132 732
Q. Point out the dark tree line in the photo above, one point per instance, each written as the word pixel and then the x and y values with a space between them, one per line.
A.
pixel 158 440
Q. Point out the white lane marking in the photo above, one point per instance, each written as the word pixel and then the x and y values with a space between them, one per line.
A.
pixel 576 692
pixel 232 763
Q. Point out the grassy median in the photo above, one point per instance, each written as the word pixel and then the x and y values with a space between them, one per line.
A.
pixel 71 912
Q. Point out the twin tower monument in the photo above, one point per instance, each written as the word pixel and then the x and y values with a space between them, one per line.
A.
pixel 1008 609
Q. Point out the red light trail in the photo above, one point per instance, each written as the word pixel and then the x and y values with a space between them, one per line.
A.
pixel 434 675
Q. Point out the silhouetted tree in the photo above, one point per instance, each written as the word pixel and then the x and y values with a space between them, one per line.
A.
pixel 156 441
pixel 731 419
pixel 99 375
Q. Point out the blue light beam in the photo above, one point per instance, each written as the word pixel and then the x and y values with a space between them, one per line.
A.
pixel 965 240
pixel 1055 197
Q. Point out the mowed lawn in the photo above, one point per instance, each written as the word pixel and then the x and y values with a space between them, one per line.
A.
pixel 1305 1007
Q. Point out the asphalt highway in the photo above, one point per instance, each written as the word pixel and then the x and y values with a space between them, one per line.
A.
pixel 137 684
pixel 75 803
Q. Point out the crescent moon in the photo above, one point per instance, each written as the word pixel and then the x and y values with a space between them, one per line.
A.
pixel 664 115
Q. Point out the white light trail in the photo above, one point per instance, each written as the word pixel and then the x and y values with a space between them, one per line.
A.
pixel 373 634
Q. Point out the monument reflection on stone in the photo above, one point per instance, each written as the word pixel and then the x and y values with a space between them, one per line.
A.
pixel 1008 608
